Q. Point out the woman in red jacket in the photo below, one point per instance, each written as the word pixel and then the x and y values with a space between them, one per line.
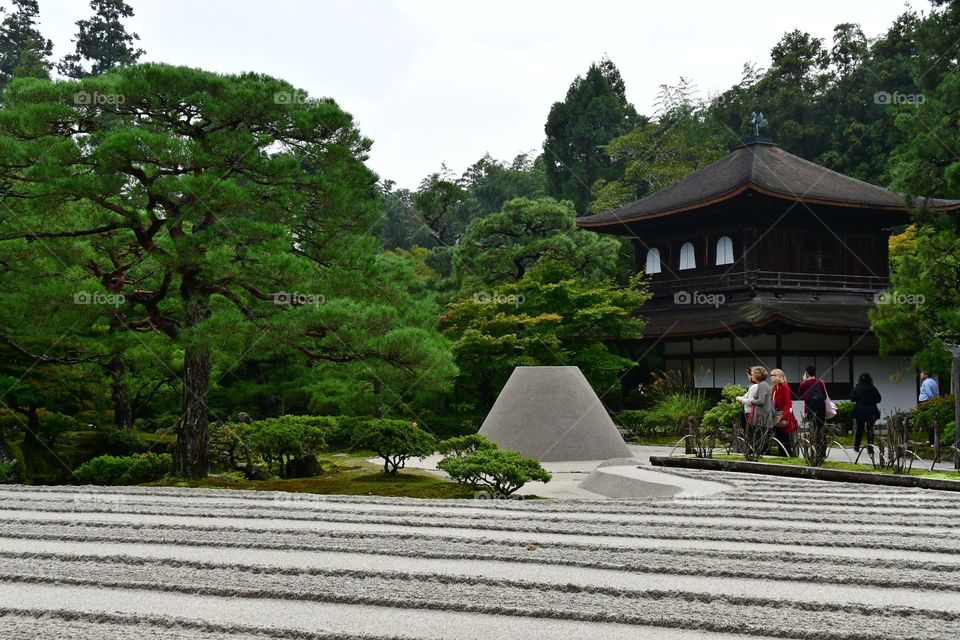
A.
pixel 786 422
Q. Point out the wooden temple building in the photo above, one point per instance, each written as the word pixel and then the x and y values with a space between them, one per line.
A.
pixel 766 258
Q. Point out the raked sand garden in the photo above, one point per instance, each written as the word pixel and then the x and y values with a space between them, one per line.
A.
pixel 762 557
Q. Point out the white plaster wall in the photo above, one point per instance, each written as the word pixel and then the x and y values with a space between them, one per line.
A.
pixel 894 377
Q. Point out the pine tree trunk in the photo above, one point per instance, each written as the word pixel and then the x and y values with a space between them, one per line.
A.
pixel 378 395
pixel 190 457
pixel 955 386
pixel 120 390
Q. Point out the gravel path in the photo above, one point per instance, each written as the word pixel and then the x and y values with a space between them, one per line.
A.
pixel 766 558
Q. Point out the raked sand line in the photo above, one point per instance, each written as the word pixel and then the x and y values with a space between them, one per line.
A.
pixel 938 525
pixel 292 506
pixel 719 612
pixel 313 620
pixel 864 545
pixel 257 561
pixel 830 567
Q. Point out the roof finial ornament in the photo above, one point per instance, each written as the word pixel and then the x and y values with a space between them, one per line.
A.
pixel 758 121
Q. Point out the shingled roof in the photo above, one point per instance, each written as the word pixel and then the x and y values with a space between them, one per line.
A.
pixel 754 313
pixel 766 168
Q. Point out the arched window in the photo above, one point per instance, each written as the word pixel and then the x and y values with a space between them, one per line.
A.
pixel 724 250
pixel 687 258
pixel 653 261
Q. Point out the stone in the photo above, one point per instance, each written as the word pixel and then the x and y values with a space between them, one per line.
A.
pixel 553 414
pixel 304 467
pixel 253 472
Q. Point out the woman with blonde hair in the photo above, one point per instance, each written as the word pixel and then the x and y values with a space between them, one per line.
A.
pixel 785 423
pixel 760 412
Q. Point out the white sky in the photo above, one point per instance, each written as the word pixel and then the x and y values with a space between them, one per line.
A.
pixel 446 81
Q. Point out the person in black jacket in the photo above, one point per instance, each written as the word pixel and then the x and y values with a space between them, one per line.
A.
pixel 865 411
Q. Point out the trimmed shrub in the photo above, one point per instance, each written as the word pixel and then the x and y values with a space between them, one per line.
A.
pixel 227 446
pixel 285 438
pixel 452 426
pixel 500 472
pixel 396 441
pixel 464 445
pixel 640 422
pixel 939 410
pixel 126 470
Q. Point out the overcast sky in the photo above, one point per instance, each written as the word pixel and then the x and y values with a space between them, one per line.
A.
pixel 447 81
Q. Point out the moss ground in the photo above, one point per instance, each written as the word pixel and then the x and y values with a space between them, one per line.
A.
pixel 344 473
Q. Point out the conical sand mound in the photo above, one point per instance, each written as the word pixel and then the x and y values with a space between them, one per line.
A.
pixel 553 414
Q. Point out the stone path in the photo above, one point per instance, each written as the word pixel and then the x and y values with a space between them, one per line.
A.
pixel 768 557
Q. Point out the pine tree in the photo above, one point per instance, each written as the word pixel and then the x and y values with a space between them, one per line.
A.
pixel 102 41
pixel 23 51
pixel 594 112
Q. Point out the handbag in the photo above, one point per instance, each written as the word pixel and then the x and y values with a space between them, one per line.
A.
pixel 830 405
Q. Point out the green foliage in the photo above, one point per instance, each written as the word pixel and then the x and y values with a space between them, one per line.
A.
pixel 278 439
pixel 594 112
pixel 24 53
pixel 102 40
pixel 921 312
pixel 844 417
pixel 549 317
pixel 464 445
pixel 483 466
pixel 659 153
pixel 396 441
pixel 8 471
pixel 676 409
pixel 135 469
pixel 119 442
pixel 940 410
pixel 272 257
pixel 503 246
pixel 726 413
pixel 669 416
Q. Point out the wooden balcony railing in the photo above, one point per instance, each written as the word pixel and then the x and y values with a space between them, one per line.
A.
pixel 758 280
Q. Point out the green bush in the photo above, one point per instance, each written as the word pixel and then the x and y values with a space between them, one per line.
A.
pixel 51 425
pixel 8 471
pixel 494 470
pixel 135 469
pixel 396 441
pixel 227 447
pixel 949 433
pixel 285 438
pixel 940 410
pixel 666 418
pixel 642 423
pixel 118 442
pixel 726 413
pixel 464 445
pixel 452 426
pixel 844 417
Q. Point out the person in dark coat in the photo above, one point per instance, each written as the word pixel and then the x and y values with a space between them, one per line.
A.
pixel 865 398
pixel 813 391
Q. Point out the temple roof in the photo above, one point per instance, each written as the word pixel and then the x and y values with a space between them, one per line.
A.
pixel 750 315
pixel 766 168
